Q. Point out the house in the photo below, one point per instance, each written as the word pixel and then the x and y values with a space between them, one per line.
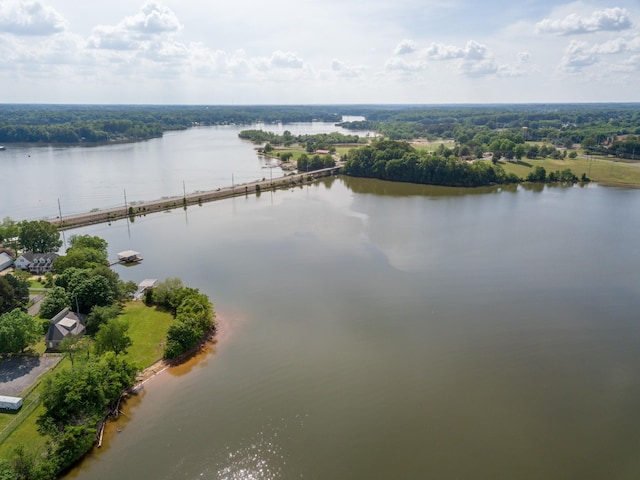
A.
pixel 5 261
pixel 36 263
pixel 61 326
pixel 322 152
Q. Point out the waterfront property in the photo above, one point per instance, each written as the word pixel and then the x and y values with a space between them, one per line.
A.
pixel 61 326
pixel 36 263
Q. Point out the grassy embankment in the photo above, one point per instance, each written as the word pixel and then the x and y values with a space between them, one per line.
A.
pixel 600 170
pixel 147 329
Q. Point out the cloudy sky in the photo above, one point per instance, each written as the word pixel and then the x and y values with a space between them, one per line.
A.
pixel 318 51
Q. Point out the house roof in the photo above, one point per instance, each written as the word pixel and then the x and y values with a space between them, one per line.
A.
pixel 64 323
pixel 32 256
pixel 5 261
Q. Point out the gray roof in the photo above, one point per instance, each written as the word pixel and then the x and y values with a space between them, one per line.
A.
pixel 31 256
pixel 64 323
pixel 5 261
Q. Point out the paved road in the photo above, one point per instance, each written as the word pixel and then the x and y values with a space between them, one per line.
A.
pixel 35 308
pixel 19 373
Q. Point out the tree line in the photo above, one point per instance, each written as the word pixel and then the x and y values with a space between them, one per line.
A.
pixel 97 123
pixel 399 161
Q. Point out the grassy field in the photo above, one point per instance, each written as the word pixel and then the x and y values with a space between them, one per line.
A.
pixel 147 329
pixel 601 171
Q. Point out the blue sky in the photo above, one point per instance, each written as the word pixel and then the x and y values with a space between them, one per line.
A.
pixel 310 51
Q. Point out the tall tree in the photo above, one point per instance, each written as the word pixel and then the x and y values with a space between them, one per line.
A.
pixel 113 337
pixel 55 300
pixel 39 236
pixel 18 330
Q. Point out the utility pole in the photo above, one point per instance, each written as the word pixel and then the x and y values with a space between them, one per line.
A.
pixel 64 238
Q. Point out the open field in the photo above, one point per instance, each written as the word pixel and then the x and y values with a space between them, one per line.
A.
pixel 601 171
pixel 148 330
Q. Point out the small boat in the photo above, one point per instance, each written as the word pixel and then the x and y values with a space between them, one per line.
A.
pixel 2 147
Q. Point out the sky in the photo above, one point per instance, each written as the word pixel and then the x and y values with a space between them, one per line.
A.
pixel 220 52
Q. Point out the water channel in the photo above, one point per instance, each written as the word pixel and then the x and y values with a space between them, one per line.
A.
pixel 370 330
pixel 375 330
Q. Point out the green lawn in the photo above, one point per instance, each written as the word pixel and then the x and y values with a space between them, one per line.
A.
pixel 602 171
pixel 148 330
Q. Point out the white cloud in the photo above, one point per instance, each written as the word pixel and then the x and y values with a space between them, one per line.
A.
pixel 480 68
pixel 609 19
pixel 473 60
pixel 281 59
pixel 439 51
pixel 577 56
pixel 152 20
pixel 30 18
pixel 405 47
pixel 341 69
pixel 400 65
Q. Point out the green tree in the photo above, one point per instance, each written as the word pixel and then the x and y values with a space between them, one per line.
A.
pixel 165 291
pixel 20 288
pixel 82 398
pixel 39 236
pixel 54 301
pixel 14 293
pixel 92 291
pixel 18 330
pixel 539 174
pixel 75 347
pixel 101 315
pixel 113 337
pixel 181 337
pixel 9 229
pixel 79 257
pixel 519 151
pixel 88 241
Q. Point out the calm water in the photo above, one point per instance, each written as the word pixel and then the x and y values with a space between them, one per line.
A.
pixel 85 178
pixel 376 331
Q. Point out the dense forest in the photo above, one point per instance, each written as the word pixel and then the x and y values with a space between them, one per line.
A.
pixel 311 142
pixel 72 124
pixel 605 129
pixel 599 128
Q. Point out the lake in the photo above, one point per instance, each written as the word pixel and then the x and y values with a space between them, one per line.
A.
pixel 373 330
pixel 83 178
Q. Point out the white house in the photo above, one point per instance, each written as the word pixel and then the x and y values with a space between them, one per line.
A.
pixel 36 263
